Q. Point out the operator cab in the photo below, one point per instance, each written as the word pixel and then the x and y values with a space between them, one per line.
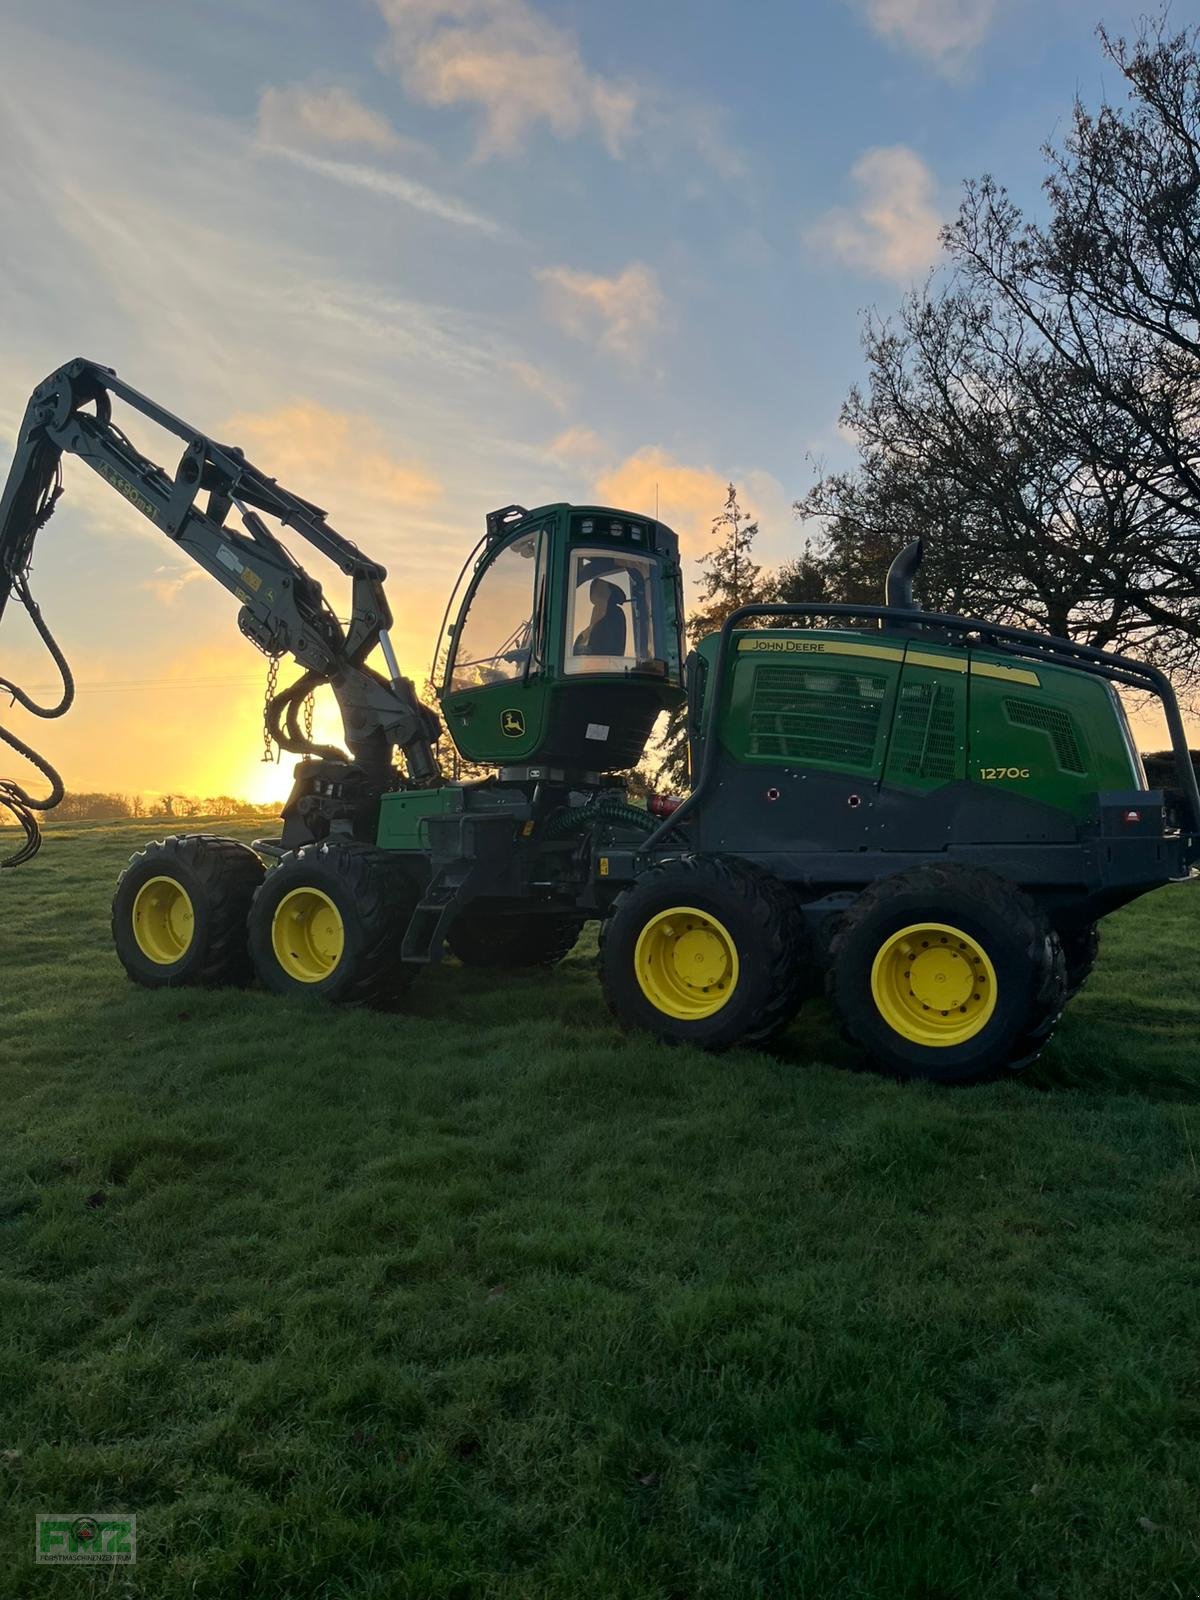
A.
pixel 566 642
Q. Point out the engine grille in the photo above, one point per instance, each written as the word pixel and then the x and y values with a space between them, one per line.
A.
pixel 923 738
pixel 826 714
pixel 1058 726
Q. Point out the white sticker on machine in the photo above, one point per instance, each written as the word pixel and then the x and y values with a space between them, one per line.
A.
pixel 597 730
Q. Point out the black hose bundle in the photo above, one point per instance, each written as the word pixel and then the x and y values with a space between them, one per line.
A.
pixel 574 819
pixel 283 719
pixel 13 798
pixel 23 806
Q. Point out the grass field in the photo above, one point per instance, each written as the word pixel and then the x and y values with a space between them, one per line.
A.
pixel 485 1300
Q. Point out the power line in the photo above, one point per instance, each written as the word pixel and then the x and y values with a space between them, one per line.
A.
pixel 124 685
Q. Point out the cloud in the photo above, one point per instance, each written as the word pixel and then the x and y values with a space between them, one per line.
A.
pixel 688 498
pixel 546 383
pixel 305 114
pixel 672 125
pixel 390 185
pixel 945 33
pixel 517 68
pixel 521 72
pixel 621 312
pixel 892 230
pixel 166 584
pixel 315 450
pixel 577 444
pixel 297 121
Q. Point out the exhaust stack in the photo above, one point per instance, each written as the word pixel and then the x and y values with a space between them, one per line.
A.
pixel 899 589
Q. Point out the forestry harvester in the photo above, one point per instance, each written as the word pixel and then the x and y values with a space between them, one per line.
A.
pixel 923 815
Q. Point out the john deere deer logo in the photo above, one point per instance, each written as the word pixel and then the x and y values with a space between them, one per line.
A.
pixel 512 723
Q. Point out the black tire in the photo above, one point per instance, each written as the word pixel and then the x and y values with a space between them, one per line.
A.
pixel 483 938
pixel 218 877
pixel 374 899
pixel 1081 947
pixel 763 923
pixel 1025 952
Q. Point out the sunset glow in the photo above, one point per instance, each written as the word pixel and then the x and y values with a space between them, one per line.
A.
pixel 414 294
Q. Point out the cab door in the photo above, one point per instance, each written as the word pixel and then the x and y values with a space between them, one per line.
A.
pixel 493 695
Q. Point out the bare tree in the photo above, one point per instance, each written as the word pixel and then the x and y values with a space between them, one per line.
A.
pixel 93 807
pixel 223 805
pixel 976 435
pixel 729 578
pixel 1033 414
pixel 1111 281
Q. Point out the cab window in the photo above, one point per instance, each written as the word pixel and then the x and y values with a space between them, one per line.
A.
pixel 613 618
pixel 495 638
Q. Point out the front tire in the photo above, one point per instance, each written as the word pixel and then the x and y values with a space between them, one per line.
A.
pixel 947 973
pixel 329 920
pixel 704 950
pixel 179 912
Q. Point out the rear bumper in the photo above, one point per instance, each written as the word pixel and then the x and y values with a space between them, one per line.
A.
pixel 1133 848
pixel 1146 862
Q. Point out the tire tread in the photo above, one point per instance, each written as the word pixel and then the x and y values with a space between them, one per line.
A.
pixel 784 948
pixel 379 889
pixel 230 873
pixel 998 898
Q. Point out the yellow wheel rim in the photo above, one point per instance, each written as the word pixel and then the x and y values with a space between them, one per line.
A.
pixel 686 963
pixel 307 935
pixel 163 921
pixel 934 984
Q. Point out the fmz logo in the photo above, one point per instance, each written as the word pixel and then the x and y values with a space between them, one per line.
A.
pixel 71 1539
pixel 512 723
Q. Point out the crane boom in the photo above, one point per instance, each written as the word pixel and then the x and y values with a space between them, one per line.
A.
pixel 283 610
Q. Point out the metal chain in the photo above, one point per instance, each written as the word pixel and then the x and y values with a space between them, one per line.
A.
pixel 269 754
pixel 308 717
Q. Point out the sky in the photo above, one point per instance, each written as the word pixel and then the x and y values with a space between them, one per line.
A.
pixel 424 258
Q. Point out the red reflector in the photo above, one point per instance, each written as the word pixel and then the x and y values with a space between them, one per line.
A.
pixel 1133 816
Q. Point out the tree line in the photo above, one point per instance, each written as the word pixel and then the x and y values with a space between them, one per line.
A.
pixel 100 806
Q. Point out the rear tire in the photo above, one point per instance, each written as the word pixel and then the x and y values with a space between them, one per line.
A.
pixel 702 918
pixel 519 939
pixel 179 912
pixel 946 933
pixel 329 920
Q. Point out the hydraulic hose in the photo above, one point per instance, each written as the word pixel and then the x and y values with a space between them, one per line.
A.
pixel 574 819
pixel 13 798
pixel 282 712
pixel 22 805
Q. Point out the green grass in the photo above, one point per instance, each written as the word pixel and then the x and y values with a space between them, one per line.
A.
pixel 483 1299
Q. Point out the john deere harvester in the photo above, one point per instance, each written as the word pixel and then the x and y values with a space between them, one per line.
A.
pixel 924 816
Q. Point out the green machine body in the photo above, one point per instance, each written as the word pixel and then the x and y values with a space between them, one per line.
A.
pixel 917 717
